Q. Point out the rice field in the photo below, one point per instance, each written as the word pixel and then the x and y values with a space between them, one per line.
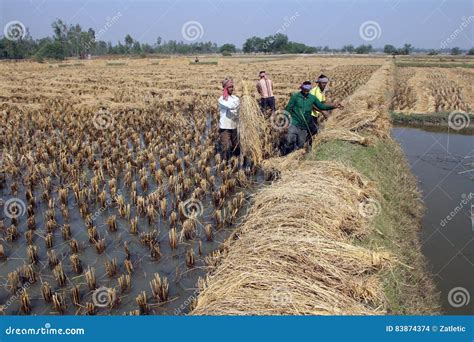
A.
pixel 433 90
pixel 115 199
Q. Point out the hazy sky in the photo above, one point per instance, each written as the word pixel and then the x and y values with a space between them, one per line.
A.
pixel 423 23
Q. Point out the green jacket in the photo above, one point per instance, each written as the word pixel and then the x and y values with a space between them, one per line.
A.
pixel 300 107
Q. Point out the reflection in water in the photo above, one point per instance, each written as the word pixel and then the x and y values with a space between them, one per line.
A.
pixel 444 166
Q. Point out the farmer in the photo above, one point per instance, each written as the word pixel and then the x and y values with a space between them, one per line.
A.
pixel 299 109
pixel 265 89
pixel 229 111
pixel 320 92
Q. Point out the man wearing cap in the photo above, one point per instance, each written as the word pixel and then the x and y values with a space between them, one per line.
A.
pixel 229 106
pixel 265 89
pixel 299 110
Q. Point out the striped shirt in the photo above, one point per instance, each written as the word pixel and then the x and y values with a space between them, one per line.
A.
pixel 264 87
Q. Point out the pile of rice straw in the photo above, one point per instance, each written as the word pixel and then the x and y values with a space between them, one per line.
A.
pixel 252 128
pixel 340 134
pixel 272 167
pixel 365 110
pixel 293 255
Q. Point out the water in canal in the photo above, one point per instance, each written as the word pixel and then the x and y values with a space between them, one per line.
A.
pixel 443 162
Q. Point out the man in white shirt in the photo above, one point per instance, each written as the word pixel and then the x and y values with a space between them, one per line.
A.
pixel 229 106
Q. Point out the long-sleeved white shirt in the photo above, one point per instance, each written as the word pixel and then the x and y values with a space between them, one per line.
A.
pixel 229 112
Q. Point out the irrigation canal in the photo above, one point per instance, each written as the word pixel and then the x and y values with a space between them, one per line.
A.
pixel 443 162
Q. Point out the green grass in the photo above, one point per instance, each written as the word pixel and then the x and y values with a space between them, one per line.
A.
pixel 434 118
pixel 70 65
pixel 434 65
pixel 204 63
pixel 115 63
pixel 268 59
pixel 435 121
pixel 407 286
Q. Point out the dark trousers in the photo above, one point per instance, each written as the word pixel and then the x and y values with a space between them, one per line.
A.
pixel 229 143
pixel 267 102
pixel 295 138
pixel 313 127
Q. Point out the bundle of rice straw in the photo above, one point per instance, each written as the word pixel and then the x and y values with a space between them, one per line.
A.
pixel 340 134
pixel 252 127
pixel 272 167
pixel 293 255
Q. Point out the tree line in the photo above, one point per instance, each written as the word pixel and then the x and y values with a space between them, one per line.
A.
pixel 74 41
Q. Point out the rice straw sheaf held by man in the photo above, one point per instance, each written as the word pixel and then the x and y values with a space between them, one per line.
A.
pixel 299 111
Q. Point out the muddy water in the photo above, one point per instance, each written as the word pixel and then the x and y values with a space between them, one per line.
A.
pixel 172 264
pixel 443 162
pixel 182 279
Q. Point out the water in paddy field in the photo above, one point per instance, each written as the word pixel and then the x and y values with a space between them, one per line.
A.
pixel 172 263
pixel 443 163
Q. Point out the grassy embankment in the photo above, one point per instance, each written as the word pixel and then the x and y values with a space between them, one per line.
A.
pixel 433 64
pixel 407 286
pixel 435 121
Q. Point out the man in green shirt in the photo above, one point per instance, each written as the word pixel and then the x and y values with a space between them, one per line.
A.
pixel 299 109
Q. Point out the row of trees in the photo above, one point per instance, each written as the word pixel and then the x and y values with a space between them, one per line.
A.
pixel 73 41
pixel 277 43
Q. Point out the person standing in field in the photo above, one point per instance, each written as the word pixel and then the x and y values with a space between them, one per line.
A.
pixel 229 106
pixel 298 110
pixel 265 89
pixel 320 92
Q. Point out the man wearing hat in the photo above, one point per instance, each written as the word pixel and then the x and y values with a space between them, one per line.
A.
pixel 299 110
